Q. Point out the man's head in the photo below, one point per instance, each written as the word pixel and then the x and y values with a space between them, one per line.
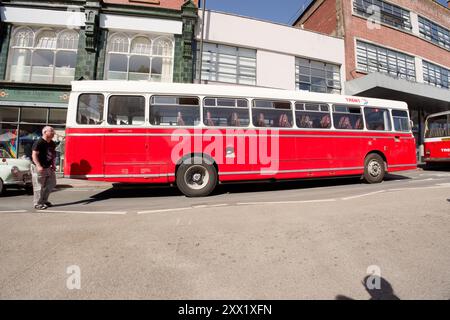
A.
pixel 48 133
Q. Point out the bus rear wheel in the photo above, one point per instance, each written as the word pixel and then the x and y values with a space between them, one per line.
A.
pixel 196 178
pixel 374 168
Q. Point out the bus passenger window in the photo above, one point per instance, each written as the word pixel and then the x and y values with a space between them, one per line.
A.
pixel 230 112
pixel 275 114
pixel 377 119
pixel 347 118
pixel 312 115
pixel 401 120
pixel 174 111
pixel 90 109
pixel 126 110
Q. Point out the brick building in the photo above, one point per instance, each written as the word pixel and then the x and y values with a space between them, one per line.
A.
pixel 394 49
pixel 46 44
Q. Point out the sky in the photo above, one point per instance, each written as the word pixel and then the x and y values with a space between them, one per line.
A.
pixel 281 11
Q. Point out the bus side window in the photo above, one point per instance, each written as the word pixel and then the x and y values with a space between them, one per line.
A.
pixel 377 119
pixel 174 111
pixel 90 109
pixel 347 117
pixel 126 110
pixel 230 112
pixel 276 114
pixel 401 120
pixel 312 115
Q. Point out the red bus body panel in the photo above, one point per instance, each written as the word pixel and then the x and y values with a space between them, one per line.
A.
pixel 437 151
pixel 144 155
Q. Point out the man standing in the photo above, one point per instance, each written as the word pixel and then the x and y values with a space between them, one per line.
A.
pixel 43 168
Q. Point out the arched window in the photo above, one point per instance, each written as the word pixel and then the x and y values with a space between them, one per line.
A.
pixel 139 58
pixel 66 56
pixel 22 43
pixel 43 56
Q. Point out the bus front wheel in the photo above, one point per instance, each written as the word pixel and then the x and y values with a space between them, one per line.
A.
pixel 374 168
pixel 196 178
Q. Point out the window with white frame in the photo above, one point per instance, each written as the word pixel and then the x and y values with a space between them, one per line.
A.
pixel 371 58
pixel 140 57
pixel 389 13
pixel 43 55
pixel 436 75
pixel 317 76
pixel 434 33
pixel 223 63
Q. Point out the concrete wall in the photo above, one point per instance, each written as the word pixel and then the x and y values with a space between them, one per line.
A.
pixel 277 45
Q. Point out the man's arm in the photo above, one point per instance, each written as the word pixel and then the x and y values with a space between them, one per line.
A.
pixel 35 157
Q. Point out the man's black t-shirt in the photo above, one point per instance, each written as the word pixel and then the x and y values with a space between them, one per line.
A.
pixel 46 151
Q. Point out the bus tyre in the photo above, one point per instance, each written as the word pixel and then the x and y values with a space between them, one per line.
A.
pixel 374 168
pixel 196 178
pixel 2 188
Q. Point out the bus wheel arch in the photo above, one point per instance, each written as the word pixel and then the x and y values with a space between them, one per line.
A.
pixel 375 167
pixel 196 175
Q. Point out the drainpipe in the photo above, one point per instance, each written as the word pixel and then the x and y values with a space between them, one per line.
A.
pixel 201 42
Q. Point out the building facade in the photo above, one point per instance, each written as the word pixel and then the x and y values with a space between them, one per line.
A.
pixel 247 51
pixel 46 45
pixel 394 49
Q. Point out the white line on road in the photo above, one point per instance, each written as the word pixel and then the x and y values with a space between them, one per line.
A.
pixel 441 186
pixel 14 211
pixel 165 210
pixel 283 202
pixel 87 212
pixel 363 195
pixel 219 205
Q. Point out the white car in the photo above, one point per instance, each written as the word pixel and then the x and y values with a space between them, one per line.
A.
pixel 14 172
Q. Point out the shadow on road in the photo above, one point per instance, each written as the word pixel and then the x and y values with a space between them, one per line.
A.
pixel 124 191
pixel 383 290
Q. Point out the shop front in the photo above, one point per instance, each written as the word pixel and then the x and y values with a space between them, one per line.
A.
pixel 23 114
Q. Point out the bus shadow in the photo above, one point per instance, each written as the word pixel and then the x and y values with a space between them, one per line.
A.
pixel 124 191
pixel 263 186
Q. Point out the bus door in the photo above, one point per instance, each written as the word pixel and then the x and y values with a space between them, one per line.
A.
pixel 126 141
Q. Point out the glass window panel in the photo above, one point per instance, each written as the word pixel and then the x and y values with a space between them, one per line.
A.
pixel 33 115
pixel 8 140
pixel 90 109
pixel 57 116
pixel 9 114
pixel 126 110
pixel 28 134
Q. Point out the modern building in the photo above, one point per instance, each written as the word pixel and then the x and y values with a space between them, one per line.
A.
pixel 44 45
pixel 247 51
pixel 394 49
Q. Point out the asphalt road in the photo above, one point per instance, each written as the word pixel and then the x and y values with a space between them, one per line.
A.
pixel 290 240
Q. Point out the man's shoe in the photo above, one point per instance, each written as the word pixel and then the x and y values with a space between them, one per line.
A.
pixel 40 207
pixel 48 204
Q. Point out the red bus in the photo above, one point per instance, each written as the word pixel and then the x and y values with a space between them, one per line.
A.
pixel 199 135
pixel 437 138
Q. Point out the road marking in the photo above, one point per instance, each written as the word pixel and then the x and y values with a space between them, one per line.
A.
pixel 441 186
pixel 219 205
pixel 87 212
pixel 14 211
pixel 284 202
pixel 165 210
pixel 363 195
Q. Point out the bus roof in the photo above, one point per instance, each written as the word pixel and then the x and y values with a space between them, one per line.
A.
pixel 145 87
pixel 438 114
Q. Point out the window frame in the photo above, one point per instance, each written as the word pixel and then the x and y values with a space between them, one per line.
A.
pixel 333 112
pixel 153 40
pixel 291 111
pixel 149 106
pixel 105 101
pixel 106 112
pixel 314 102
pixel 59 32
pixel 326 65
pixel 248 109
pixel 391 122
